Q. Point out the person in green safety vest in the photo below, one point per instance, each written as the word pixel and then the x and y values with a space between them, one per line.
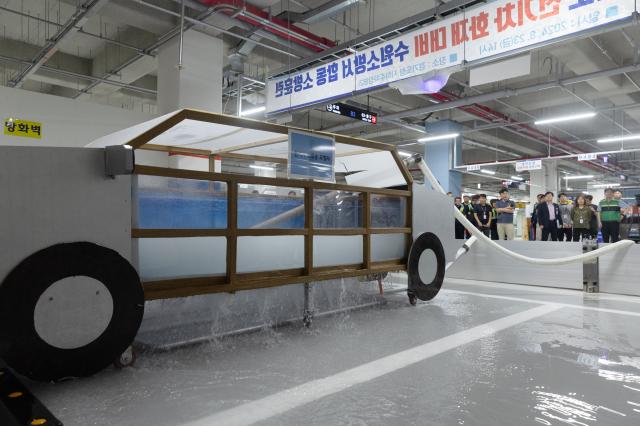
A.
pixel 609 217
pixel 494 221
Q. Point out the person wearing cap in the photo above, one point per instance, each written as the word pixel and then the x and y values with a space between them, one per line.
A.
pixel 482 215
pixel 609 217
pixel 505 208
pixel 549 218
pixel 565 233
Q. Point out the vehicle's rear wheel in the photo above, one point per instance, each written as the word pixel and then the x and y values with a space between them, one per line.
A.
pixel 426 266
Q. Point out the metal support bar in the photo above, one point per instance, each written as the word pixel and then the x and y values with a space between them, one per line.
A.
pixel 181 35
pixel 590 268
pixel 76 21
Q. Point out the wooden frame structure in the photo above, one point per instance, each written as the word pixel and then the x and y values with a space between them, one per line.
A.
pixel 234 281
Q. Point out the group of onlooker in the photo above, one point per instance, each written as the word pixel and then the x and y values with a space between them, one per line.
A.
pixel 566 221
pixel 561 221
pixel 494 219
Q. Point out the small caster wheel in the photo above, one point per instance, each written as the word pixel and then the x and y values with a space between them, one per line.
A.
pixel 307 320
pixel 126 359
pixel 413 299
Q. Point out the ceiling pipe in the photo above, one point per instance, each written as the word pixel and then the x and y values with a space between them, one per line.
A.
pixel 492 96
pixel 247 13
pixel 485 112
pixel 73 24
pixel 72 74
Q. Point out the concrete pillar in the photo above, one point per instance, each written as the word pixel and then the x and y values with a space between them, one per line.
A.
pixel 198 84
pixel 543 180
pixel 442 156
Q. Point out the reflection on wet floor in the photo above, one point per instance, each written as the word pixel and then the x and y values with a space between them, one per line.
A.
pixel 572 365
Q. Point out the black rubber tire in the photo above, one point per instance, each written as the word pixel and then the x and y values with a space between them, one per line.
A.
pixel 21 346
pixel 425 291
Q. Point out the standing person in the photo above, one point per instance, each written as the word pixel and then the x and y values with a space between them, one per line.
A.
pixel 549 217
pixel 593 225
pixel 482 214
pixel 534 218
pixel 565 233
pixel 494 220
pixel 505 208
pixel 459 229
pixel 625 210
pixel 581 215
pixel 609 217
pixel 624 206
pixel 468 212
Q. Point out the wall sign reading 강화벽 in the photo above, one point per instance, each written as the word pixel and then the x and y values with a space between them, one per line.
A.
pixel 22 128
pixel 311 156
pixel 496 28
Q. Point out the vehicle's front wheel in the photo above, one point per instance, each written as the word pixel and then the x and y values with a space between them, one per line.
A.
pixel 69 310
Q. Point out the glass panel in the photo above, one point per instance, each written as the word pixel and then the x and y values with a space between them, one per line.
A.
pixel 165 258
pixel 388 211
pixel 257 254
pixel 329 250
pixel 261 206
pixel 388 246
pixel 170 203
pixel 337 209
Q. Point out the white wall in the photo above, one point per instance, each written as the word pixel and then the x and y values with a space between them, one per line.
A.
pixel 65 122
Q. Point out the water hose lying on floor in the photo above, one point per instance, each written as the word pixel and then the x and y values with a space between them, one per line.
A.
pixel 477 235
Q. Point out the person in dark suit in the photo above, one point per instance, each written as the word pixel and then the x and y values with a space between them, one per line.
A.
pixel 549 218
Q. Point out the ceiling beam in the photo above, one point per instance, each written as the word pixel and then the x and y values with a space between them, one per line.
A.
pixel 71 27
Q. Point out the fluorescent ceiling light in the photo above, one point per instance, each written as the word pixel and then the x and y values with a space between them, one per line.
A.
pixel 252 111
pixel 489 172
pixel 606 185
pixel 405 154
pixel 572 177
pixel 565 118
pixel 619 139
pixel 518 178
pixel 439 137
pixel 569 189
pixel 253 166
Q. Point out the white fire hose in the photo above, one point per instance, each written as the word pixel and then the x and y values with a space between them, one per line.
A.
pixel 477 235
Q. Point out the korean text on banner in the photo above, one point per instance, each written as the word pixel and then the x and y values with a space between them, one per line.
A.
pixel 323 82
pixel 311 156
pixel 22 128
pixel 506 25
pixel 433 47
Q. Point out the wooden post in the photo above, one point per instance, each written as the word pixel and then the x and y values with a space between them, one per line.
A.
pixel 308 223
pixel 366 224
pixel 232 226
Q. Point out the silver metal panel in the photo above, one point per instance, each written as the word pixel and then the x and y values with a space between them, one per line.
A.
pixel 329 250
pixel 619 272
pixel 433 212
pixel 387 246
pixel 54 195
pixel 164 258
pixel 487 264
pixel 257 254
